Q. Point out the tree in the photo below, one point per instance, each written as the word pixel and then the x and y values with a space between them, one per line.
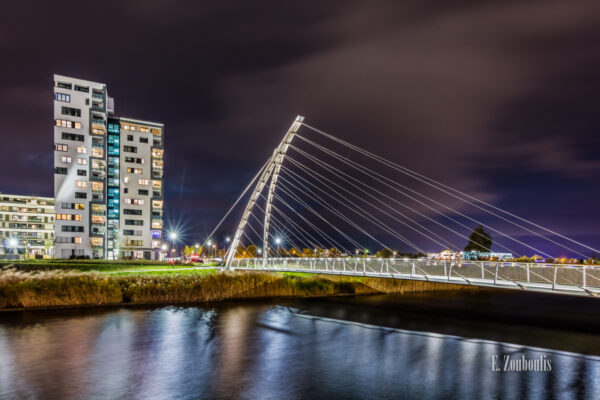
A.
pixel 333 252
pixel 307 253
pixel 386 253
pixel 188 251
pixel 480 241
pixel 251 249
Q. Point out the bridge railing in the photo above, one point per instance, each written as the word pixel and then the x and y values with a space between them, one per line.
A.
pixel 472 272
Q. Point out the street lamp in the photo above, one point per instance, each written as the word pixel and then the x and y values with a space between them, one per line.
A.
pixel 209 243
pixel 12 242
pixel 278 241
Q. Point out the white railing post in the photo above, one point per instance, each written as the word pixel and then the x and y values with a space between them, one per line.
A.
pixel 412 270
pixel 527 272
pixel 445 271
pixel 583 272
pixel 482 270
pixel 554 281
pixel 364 266
pixel 496 276
pixel 450 271
pixel 344 264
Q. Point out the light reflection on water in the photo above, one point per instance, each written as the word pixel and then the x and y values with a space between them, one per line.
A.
pixel 261 351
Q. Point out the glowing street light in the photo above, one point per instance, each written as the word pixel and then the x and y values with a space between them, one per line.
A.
pixel 12 242
pixel 173 236
pixel 164 247
pixel 228 239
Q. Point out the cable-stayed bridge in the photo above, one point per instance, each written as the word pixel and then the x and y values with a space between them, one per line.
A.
pixel 320 203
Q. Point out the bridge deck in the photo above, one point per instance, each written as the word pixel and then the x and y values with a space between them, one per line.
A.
pixel 583 280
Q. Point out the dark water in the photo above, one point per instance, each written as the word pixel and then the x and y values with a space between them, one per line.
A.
pixel 407 347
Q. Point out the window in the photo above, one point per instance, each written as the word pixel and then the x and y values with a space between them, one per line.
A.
pixel 130 149
pixel 82 161
pixel 72 136
pixel 66 159
pixel 68 217
pixel 82 88
pixel 97 241
pixel 138 202
pixel 131 232
pixel 68 124
pixel 61 147
pixel 72 206
pixel 138 222
pixel 81 172
pixel 80 195
pixel 97 131
pixel 143 140
pixel 144 129
pixel 77 239
pixel 73 112
pixel 125 190
pixel 129 127
pixel 155 234
pixel 64 85
pixel 130 138
pixel 97 186
pixel 134 160
pixel 72 228
pixel 156 131
pixel 60 170
pixel 66 98
pixel 135 170
pixel 81 184
pixel 157 225
pixel 81 150
pixel 143 192
pixel 143 182
pixel 129 211
pixel 126 179
pixel 98 219
pixel 134 243
pixel 98 153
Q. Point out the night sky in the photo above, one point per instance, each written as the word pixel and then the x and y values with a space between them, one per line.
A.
pixel 496 98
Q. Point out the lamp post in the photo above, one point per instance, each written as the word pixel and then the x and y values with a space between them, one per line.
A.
pixel 12 243
pixel 173 237
pixel 278 242
pixel 209 243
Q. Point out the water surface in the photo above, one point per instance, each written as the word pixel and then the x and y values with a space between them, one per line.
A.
pixel 421 346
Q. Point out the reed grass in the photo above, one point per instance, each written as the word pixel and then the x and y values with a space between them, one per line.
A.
pixel 57 288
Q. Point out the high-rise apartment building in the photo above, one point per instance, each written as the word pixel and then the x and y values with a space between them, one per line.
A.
pixel 108 176
pixel 26 227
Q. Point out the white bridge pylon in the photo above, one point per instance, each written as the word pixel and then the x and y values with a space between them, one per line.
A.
pixel 269 173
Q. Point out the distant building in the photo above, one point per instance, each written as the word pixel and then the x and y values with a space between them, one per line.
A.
pixel 108 176
pixel 27 227
pixel 481 255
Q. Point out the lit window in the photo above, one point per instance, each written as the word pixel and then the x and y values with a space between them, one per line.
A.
pixel 78 206
pixel 97 241
pixel 81 150
pixel 81 184
pixel 97 186
pixel 96 131
pixel 61 147
pixel 143 181
pixel 144 129
pixel 126 179
pixel 77 240
pixel 156 131
pixel 129 127
pixel 66 159
pixel 99 153
pixel 62 97
pixel 82 161
pixel 135 170
pixel 157 225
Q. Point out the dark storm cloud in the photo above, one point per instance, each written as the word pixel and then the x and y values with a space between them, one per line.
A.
pixel 497 98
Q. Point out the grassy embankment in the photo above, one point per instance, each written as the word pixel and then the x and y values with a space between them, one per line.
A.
pixel 43 286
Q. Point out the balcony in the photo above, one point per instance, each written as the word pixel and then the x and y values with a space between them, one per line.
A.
pixel 157 174
pixel 97 96
pixel 98 174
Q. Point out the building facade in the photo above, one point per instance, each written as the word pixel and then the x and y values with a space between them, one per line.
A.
pixel 106 169
pixel 27 227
